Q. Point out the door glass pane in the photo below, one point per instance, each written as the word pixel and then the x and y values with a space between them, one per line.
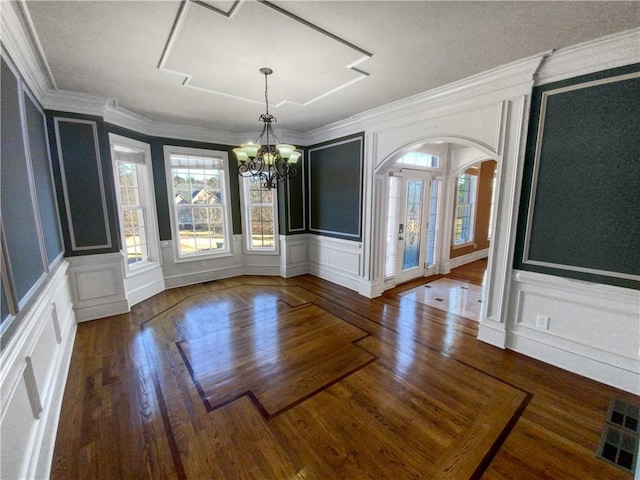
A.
pixel 413 224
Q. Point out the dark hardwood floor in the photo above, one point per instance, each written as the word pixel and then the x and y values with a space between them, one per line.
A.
pixel 272 378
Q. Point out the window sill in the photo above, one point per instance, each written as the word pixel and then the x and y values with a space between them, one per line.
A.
pixel 132 272
pixel 202 256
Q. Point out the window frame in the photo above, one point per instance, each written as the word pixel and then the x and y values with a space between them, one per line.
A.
pixel 227 251
pixel 472 203
pixel 147 198
pixel 246 221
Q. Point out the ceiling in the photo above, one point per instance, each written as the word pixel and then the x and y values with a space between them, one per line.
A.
pixel 197 62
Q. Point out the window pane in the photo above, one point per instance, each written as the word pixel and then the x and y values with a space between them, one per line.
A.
pixel 199 203
pixel 131 211
pixel 413 224
pixel 259 216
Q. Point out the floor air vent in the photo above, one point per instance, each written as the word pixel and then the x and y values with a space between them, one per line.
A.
pixel 619 441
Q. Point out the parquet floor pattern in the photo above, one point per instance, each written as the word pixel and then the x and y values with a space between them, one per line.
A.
pixel 272 378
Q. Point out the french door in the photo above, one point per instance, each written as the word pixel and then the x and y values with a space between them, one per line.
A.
pixel 413 228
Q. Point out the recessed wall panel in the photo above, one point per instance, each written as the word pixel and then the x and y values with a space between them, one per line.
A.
pixel 579 210
pixel 18 218
pixel 335 188
pixel 41 164
pixel 83 184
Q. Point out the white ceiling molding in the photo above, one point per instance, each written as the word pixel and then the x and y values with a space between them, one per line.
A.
pixel 506 81
pixel 232 6
pixel 604 53
pixel 23 48
pixel 191 23
pixel 76 102
pixel 20 41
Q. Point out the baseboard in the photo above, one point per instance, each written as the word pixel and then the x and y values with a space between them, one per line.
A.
pixel 192 278
pixel 331 275
pixel 492 333
pixel 86 314
pixel 586 366
pixel 464 259
pixel 146 291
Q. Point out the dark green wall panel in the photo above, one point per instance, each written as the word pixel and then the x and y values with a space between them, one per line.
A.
pixel 294 218
pixel 335 187
pixel 36 127
pixel 579 207
pixel 84 183
pixel 18 218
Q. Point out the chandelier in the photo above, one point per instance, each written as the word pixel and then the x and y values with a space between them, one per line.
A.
pixel 267 160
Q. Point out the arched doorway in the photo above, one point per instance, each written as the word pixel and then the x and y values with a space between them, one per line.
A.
pixel 427 195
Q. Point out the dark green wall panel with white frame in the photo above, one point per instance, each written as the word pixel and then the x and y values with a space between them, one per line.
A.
pixel 579 205
pixel 335 187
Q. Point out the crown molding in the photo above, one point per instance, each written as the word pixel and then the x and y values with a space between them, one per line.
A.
pixel 506 81
pixel 75 102
pixel 604 53
pixel 23 48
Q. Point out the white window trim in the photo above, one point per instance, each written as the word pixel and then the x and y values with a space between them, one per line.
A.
pixel 246 227
pixel 228 223
pixel 147 191
pixel 472 214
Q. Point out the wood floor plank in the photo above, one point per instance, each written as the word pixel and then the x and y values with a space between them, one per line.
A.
pixel 316 382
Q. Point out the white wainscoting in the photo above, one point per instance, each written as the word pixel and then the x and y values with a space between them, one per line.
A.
pixel 593 330
pixel 143 283
pixel 294 254
pixel 336 260
pixel 35 365
pixel 97 286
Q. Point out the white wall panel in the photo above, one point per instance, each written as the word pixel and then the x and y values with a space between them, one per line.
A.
pixel 35 364
pixel 593 330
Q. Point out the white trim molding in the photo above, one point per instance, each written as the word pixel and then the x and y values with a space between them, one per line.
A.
pixel 35 365
pixel 590 329
pixel 97 285
pixel 603 53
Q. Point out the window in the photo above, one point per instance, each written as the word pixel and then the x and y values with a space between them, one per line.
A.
pixel 465 209
pixel 420 159
pixel 434 220
pixel 134 193
pixel 199 197
pixel 260 216
pixel 393 221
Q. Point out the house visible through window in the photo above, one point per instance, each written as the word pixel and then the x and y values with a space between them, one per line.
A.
pixel 465 209
pixel 260 224
pixel 198 181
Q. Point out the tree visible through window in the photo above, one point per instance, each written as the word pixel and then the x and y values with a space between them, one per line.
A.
pixel 260 215
pixel 465 209
pixel 132 213
pixel 198 188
